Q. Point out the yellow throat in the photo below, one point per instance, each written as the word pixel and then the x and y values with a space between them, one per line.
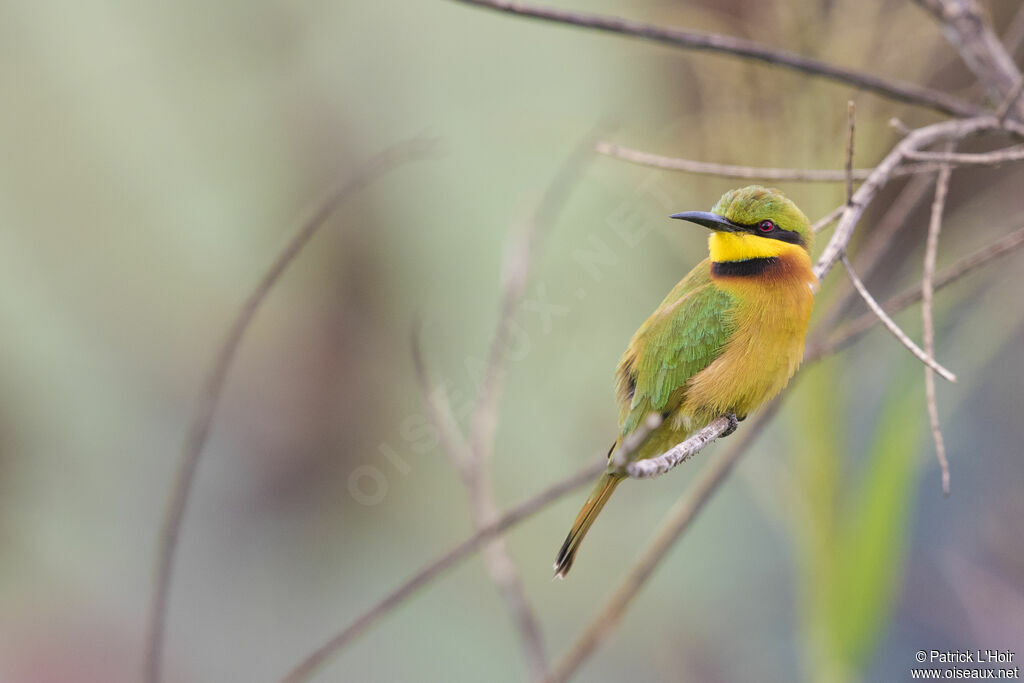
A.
pixel 732 246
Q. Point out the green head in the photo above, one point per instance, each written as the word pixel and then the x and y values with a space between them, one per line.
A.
pixel 753 222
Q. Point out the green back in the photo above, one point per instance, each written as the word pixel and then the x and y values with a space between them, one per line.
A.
pixel 682 337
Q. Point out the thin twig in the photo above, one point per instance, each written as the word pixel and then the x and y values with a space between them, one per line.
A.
pixel 648 159
pixel 676 522
pixel 855 329
pixel 927 315
pixel 890 325
pixel 745 49
pixel 995 158
pixel 850 123
pixel 213 384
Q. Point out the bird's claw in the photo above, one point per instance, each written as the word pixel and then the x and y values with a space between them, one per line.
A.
pixel 734 422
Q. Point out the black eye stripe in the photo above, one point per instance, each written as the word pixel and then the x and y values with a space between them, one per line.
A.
pixel 777 233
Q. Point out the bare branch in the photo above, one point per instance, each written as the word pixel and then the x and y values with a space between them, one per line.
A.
pixel 680 453
pixel 927 296
pixel 213 384
pixel 746 49
pixel 995 158
pixel 745 172
pixel 676 522
pixel 890 325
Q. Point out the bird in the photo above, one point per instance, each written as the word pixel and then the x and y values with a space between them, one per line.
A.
pixel 725 340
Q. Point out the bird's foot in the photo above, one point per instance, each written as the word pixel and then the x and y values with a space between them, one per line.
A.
pixel 734 422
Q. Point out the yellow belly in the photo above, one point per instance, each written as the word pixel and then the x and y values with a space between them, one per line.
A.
pixel 763 353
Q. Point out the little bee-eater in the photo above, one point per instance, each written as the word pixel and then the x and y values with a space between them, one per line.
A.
pixel 724 341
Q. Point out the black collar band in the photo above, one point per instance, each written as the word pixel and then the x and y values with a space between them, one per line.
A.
pixel 745 268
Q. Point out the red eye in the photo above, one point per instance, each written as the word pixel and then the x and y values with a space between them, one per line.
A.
pixel 765 226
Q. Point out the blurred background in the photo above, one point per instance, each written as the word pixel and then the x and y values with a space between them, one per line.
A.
pixel 158 155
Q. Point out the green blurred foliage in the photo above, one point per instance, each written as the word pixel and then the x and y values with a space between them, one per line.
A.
pixel 850 533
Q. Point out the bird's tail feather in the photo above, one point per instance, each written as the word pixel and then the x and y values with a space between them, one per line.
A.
pixel 598 497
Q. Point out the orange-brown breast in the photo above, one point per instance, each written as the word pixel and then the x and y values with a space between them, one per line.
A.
pixel 771 317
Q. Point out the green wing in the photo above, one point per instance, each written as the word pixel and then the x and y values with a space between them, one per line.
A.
pixel 682 337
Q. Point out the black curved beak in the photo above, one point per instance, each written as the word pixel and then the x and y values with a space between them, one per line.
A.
pixel 709 220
